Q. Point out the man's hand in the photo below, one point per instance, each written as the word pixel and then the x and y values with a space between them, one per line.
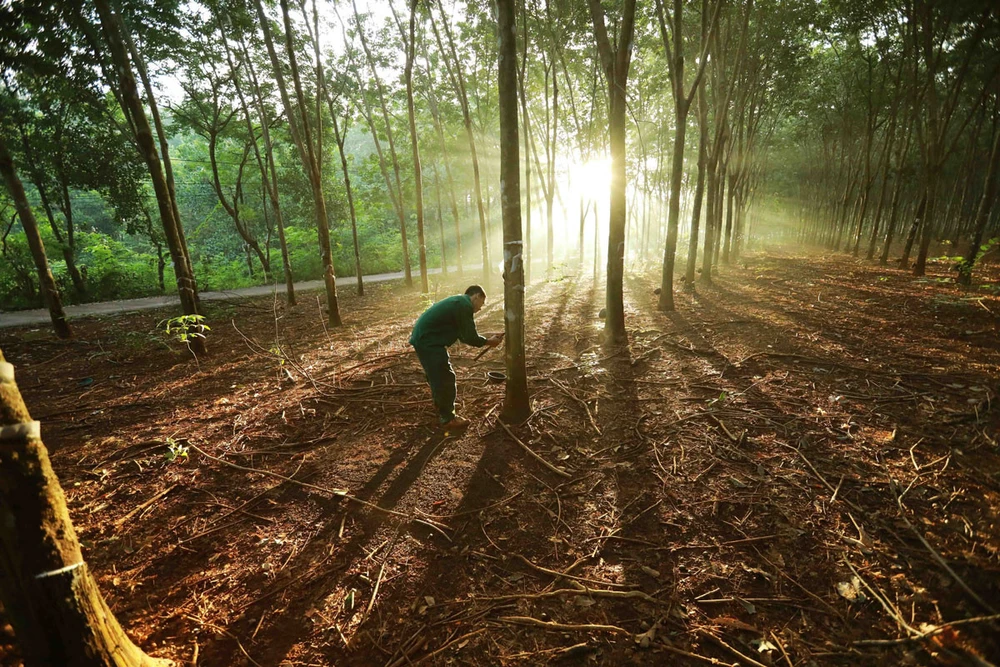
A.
pixel 494 340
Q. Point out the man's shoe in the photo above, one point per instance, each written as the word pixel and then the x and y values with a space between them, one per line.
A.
pixel 457 422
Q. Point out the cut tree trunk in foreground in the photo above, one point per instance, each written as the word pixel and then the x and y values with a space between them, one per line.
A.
pixel 48 594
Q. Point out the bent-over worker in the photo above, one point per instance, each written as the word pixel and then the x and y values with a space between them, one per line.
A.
pixel 438 328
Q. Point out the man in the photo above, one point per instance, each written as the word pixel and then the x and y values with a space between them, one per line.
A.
pixel 439 327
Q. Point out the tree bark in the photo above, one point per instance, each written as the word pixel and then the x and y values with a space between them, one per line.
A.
pixel 49 596
pixel 418 182
pixel 47 284
pixel 168 169
pixel 263 162
pixel 615 62
pixel 986 203
pixel 458 81
pixel 516 407
pixel 303 142
pixel 111 26
pixel 401 210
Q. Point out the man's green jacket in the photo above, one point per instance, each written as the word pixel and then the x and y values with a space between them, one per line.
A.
pixel 445 322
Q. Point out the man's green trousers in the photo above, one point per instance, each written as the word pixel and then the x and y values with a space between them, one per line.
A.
pixel 441 377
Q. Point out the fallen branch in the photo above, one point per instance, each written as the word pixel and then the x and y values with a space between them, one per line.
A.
pixel 552 625
pixel 558 471
pixel 555 573
pixel 579 400
pixel 341 493
pixel 742 656
pixel 929 633
pixel 583 590
pixel 936 555
pixel 404 659
pixel 122 521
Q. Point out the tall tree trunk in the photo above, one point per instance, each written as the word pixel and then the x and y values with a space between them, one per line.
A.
pixel 458 80
pixel 440 218
pixel 699 190
pixel 682 104
pixel 711 228
pixel 390 137
pixel 553 141
pixel 340 138
pixel 729 215
pixel 302 139
pixel 523 95
pixel 516 407
pixel 986 203
pixel 918 218
pixel 439 130
pixel 112 29
pixel 47 284
pixel 616 63
pixel 48 593
pixel 168 168
pixel 418 179
pixel 263 162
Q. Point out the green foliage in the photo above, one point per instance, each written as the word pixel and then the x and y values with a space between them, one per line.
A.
pixel 186 328
pixel 175 451
pixel 964 266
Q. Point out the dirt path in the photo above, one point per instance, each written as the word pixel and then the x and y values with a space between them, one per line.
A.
pixel 731 478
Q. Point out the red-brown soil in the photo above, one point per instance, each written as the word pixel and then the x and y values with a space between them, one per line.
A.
pixel 724 474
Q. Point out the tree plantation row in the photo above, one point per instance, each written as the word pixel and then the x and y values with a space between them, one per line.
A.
pixel 173 146
pixel 242 143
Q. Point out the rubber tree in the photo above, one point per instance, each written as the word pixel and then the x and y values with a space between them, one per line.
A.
pixel 265 161
pixel 390 138
pixel 300 128
pixel 112 30
pixel 411 50
pixel 673 44
pixel 49 595
pixel 516 407
pixel 457 77
pixel 47 284
pixel 986 203
pixel 615 61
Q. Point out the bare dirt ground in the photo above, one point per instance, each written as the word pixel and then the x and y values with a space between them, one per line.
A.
pixel 798 467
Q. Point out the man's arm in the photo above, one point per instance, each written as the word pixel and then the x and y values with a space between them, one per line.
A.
pixel 467 329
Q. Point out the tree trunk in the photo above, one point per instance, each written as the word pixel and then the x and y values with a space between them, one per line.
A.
pixel 699 191
pixel 458 81
pixel 711 228
pixel 440 218
pixel 411 49
pixel 303 142
pixel 729 215
pixel 401 210
pixel 263 162
pixel 986 203
pixel 47 283
pixel 168 169
pixel 439 130
pixel 516 407
pixel 110 24
pixel 522 93
pixel 904 261
pixel 340 137
pixel 616 62
pixel 48 593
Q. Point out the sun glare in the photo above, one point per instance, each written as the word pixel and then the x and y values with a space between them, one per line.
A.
pixel 591 178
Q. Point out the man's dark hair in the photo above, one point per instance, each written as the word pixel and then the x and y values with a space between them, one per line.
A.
pixel 473 290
